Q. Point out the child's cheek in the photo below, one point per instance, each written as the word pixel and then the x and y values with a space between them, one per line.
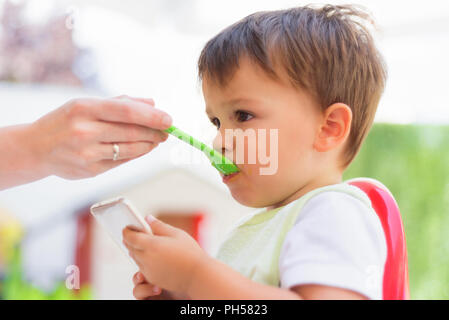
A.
pixel 258 154
pixel 252 161
pixel 268 152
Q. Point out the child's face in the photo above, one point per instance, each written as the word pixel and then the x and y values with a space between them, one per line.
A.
pixel 252 100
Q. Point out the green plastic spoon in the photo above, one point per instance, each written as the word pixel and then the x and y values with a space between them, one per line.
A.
pixel 219 161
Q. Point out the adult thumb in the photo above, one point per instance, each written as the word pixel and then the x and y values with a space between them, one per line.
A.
pixel 160 228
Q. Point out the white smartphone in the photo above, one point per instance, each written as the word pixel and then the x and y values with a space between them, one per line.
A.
pixel 114 215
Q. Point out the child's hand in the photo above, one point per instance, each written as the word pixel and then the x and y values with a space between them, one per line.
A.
pixel 169 258
pixel 146 291
pixel 142 289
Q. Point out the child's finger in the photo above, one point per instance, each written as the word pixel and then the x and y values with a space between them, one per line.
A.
pixel 138 278
pixel 145 290
pixel 134 239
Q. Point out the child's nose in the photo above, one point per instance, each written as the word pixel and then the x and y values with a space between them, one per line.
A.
pixel 224 142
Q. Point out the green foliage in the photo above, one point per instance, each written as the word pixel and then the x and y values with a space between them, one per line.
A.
pixel 14 287
pixel 413 162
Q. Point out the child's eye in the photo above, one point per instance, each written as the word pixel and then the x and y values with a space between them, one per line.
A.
pixel 215 122
pixel 242 116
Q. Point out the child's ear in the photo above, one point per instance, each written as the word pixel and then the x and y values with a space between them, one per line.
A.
pixel 334 128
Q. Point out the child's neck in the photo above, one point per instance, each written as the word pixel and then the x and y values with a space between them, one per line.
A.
pixel 321 181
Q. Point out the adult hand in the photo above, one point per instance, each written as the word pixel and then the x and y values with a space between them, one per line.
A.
pixel 76 140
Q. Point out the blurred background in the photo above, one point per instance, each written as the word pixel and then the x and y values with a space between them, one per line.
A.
pixel 52 51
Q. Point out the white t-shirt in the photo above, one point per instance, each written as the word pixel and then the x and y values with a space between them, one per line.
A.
pixel 336 241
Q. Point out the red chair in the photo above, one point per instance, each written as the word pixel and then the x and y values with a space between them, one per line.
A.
pixel 395 281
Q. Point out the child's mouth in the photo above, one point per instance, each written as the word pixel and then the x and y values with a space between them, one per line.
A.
pixel 227 178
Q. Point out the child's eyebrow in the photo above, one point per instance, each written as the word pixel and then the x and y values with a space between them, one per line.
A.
pixel 242 101
pixel 232 102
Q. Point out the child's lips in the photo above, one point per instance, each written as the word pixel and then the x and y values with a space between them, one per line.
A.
pixel 229 177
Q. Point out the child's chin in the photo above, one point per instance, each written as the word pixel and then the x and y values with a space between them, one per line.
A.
pixel 247 199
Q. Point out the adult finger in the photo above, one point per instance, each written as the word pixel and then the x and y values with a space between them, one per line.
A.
pixel 125 132
pixel 130 111
pixel 105 165
pixel 127 150
pixel 148 101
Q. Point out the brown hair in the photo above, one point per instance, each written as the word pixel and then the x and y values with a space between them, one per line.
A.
pixel 328 51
